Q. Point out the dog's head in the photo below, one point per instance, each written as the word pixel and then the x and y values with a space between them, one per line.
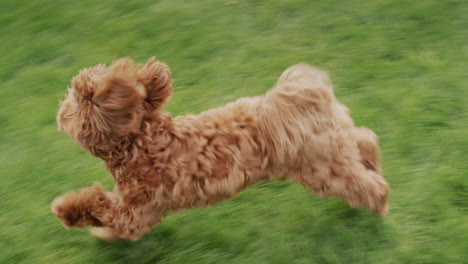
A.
pixel 110 102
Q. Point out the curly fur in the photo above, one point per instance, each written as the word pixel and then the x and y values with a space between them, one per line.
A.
pixel 297 130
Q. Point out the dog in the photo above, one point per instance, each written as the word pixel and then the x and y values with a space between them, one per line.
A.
pixel 297 130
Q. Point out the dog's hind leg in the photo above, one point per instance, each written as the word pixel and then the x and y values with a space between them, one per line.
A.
pixel 359 187
pixel 368 146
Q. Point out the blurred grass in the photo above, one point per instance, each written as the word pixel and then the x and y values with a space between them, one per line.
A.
pixel 400 66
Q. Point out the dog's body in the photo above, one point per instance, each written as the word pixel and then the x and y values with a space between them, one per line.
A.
pixel 160 164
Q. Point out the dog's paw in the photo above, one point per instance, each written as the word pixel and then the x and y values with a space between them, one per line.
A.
pixel 65 211
pixel 383 210
pixel 104 233
pixel 82 207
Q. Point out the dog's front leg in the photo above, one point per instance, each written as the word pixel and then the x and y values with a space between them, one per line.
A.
pixel 83 207
pixel 133 215
pixel 112 216
pixel 126 222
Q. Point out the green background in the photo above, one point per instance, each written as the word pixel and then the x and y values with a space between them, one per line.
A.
pixel 400 66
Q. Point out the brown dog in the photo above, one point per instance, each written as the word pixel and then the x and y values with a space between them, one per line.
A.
pixel 297 130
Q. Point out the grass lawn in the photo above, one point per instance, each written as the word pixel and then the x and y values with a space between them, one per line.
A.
pixel 400 66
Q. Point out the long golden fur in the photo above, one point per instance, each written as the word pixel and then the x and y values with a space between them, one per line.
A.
pixel 297 130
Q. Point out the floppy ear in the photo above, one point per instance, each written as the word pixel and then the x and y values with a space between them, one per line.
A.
pixel 84 83
pixel 156 77
pixel 117 96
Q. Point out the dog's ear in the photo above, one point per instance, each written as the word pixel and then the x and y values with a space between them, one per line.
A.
pixel 117 96
pixel 156 77
pixel 84 83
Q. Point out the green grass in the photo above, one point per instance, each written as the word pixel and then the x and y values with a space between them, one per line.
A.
pixel 401 67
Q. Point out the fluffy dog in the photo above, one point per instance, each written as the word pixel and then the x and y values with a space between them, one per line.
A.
pixel 297 130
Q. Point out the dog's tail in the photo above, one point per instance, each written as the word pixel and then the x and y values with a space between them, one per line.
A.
pixel 306 75
pixel 300 103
